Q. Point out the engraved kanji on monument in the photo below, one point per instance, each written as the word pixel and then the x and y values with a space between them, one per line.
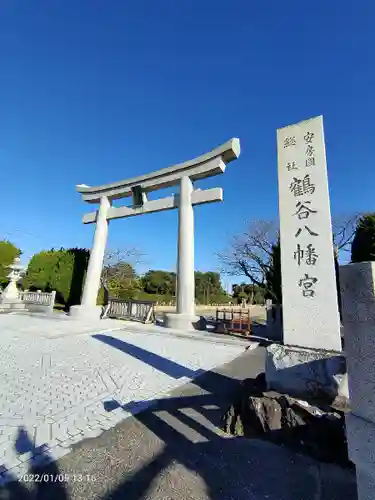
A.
pixel 310 306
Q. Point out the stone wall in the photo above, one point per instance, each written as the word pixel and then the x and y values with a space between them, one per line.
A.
pixel 357 282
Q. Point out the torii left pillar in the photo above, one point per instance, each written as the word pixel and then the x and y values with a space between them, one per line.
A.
pixel 88 308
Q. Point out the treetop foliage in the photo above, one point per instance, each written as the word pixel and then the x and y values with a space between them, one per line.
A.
pixel 64 271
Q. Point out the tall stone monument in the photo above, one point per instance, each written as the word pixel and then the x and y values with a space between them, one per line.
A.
pixel 310 306
pixel 309 361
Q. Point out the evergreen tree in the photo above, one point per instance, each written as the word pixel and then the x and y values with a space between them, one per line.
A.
pixel 363 245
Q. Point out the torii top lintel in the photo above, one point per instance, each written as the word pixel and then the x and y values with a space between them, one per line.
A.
pixel 206 165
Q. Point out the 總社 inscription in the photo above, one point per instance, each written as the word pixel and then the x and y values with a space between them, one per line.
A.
pixel 310 306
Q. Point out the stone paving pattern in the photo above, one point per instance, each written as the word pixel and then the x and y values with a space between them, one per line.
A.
pixel 174 450
pixel 57 376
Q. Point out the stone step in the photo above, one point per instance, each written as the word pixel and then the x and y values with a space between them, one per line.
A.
pixel 12 306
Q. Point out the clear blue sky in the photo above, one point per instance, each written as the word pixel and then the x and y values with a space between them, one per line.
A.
pixel 96 91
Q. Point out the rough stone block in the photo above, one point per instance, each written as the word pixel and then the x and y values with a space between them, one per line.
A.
pixel 305 372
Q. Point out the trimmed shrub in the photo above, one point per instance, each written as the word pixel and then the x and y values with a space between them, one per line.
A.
pixel 61 270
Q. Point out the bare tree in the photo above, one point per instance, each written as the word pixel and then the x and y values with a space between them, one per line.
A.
pixel 119 266
pixel 250 253
pixel 343 228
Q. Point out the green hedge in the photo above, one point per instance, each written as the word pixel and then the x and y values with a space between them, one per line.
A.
pixel 61 270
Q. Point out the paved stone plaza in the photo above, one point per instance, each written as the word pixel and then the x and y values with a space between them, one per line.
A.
pixel 65 380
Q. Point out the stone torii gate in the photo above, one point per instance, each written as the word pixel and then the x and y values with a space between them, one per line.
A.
pixel 184 174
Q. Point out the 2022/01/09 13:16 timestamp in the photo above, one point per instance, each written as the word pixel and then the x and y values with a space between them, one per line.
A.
pixel 58 478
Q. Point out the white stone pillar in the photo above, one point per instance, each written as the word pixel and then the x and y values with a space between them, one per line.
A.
pixel 185 318
pixel 88 305
pixel 185 250
pixel 357 283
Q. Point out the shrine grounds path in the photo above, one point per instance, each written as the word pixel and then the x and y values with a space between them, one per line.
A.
pixel 63 380
pixel 173 449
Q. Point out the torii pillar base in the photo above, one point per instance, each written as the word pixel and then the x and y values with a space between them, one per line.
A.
pixel 86 313
pixel 185 322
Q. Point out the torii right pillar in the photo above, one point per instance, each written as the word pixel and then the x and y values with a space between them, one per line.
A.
pixel 185 317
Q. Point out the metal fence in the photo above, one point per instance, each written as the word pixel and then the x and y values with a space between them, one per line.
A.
pixel 38 300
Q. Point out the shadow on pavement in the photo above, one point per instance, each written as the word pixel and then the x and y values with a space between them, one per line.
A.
pixel 223 467
pixel 44 480
pixel 164 365
pixel 209 381
pixel 184 456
